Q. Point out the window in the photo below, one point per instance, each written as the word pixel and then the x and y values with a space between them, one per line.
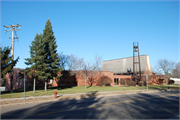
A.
pixel 17 80
pixel 21 82
pixel 116 81
pixel 51 81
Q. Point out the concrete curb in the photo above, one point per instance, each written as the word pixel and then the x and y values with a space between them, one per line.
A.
pixel 27 103
pixel 74 96
pixel 65 95
pixel 82 94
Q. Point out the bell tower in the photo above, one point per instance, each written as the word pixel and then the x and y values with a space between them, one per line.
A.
pixel 136 63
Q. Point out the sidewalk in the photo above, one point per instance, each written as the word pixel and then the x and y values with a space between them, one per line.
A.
pixel 61 97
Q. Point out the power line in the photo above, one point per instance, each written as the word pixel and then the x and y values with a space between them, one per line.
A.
pixel 20 49
pixel 8 19
pixel 5 43
pixel 18 43
pixel 2 25
pixel 16 35
pixel 5 22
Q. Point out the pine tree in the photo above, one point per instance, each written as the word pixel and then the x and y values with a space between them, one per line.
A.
pixel 41 65
pixel 37 60
pixel 7 63
pixel 52 59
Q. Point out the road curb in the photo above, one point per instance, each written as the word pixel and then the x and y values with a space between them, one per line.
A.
pixel 84 94
pixel 74 96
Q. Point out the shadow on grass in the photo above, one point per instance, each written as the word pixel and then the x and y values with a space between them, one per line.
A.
pixel 161 88
pixel 89 86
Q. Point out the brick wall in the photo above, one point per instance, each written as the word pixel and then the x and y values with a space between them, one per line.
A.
pixel 17 82
pixel 78 80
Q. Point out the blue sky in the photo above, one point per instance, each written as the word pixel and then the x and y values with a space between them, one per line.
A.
pixel 85 28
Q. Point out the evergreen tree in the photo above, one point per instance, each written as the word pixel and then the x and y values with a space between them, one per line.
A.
pixel 7 63
pixel 37 60
pixel 52 59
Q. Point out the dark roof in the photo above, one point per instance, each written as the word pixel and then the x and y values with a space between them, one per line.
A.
pixel 124 65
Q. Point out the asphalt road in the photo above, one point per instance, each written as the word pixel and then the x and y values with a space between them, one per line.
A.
pixel 157 105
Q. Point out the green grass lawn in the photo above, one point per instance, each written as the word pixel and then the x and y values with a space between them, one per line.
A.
pixel 79 89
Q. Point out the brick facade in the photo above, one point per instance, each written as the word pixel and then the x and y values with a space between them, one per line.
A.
pixel 17 82
pixel 77 80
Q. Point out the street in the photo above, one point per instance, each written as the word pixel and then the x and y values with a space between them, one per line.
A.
pixel 157 105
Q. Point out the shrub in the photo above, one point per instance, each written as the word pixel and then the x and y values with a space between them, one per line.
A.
pixel 142 83
pixel 133 83
pixel 123 82
pixel 104 81
pixel 128 81
pixel 150 83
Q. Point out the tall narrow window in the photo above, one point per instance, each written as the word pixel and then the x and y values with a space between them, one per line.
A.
pixel 17 80
pixel 50 81
pixel 116 81
pixel 21 82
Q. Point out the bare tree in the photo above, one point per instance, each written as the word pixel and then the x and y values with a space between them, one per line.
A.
pixel 176 71
pixel 75 63
pixel 85 69
pixel 164 67
pixel 64 60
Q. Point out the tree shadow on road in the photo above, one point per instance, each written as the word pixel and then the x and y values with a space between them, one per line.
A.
pixel 67 108
pixel 148 106
pixel 91 106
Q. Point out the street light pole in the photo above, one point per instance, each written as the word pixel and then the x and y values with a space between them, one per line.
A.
pixel 147 81
pixel 24 88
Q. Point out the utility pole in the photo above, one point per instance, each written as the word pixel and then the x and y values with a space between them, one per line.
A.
pixel 12 28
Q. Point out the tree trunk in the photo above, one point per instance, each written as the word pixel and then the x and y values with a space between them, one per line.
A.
pixel 85 82
pixel 34 85
pixel 45 87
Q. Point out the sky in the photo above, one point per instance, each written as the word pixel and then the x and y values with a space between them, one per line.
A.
pixel 87 28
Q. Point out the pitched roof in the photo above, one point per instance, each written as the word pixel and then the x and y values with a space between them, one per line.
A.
pixel 124 65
